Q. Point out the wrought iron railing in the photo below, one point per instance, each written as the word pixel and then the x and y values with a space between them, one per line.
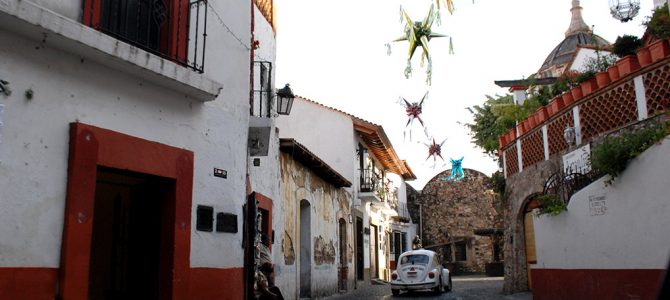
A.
pixel 263 91
pixel 369 181
pixel 175 30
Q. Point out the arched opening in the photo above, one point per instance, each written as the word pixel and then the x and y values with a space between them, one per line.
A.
pixel 305 250
pixel 343 270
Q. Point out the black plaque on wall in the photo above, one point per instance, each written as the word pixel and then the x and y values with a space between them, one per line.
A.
pixel 226 222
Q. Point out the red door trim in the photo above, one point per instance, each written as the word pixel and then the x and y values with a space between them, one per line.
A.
pixel 91 147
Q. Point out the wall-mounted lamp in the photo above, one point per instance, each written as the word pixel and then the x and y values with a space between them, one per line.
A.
pixel 285 100
pixel 569 135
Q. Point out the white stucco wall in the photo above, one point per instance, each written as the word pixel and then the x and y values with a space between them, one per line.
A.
pixel 583 54
pixel 631 233
pixel 34 148
pixel 325 132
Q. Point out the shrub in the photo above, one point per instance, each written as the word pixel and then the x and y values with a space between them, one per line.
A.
pixel 612 156
pixel 626 45
pixel 658 25
pixel 550 205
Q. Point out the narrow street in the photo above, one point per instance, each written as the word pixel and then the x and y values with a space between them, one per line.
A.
pixel 465 287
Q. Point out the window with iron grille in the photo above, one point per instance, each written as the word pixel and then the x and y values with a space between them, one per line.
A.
pixel 262 106
pixel 173 29
pixel 460 251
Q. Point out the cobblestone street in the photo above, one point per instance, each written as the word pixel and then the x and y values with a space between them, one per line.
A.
pixel 464 287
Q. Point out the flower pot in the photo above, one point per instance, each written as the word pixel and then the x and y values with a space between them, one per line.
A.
pixel 589 86
pixel 567 98
pixel 602 79
pixel 502 141
pixel 520 129
pixel 643 56
pixel 575 93
pixel 613 71
pixel 556 105
pixel 511 135
pixel 627 65
pixel 531 122
pixel 659 50
pixel 541 115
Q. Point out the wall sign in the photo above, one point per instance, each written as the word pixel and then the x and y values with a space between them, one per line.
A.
pixel 578 161
pixel 597 205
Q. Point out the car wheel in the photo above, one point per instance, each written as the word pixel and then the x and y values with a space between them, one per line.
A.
pixel 448 287
pixel 395 292
pixel 438 288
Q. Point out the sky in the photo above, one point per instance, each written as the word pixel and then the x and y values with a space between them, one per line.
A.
pixel 333 52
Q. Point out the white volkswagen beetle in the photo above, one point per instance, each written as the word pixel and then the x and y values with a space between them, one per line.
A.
pixel 420 270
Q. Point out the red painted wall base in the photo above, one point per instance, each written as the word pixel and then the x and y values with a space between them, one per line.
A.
pixel 550 284
pixel 41 283
pixel 28 283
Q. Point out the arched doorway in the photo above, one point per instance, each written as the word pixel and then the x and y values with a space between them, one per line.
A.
pixel 305 250
pixel 343 270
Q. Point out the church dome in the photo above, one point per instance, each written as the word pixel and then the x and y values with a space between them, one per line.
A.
pixel 578 34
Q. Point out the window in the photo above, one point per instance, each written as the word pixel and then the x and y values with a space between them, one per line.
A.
pixel 446 253
pixel 460 250
pixel 161 27
pixel 414 259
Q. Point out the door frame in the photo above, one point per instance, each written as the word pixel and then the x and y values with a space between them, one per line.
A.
pixel 91 147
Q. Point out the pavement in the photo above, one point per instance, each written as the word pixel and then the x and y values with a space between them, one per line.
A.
pixel 474 287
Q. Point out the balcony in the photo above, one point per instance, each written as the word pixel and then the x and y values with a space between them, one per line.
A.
pixel 371 189
pixel 35 22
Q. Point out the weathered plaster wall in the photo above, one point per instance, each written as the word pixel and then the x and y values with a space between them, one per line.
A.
pixel 459 208
pixel 328 205
pixel 34 148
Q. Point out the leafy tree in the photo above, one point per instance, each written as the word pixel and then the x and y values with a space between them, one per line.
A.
pixel 491 120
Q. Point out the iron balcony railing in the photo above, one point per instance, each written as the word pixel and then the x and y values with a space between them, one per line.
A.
pixel 173 29
pixel 369 181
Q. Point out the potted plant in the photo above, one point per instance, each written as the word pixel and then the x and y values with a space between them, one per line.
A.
pixel 643 56
pixel 574 95
pixel 613 72
pixel 627 65
pixel 626 45
pixel 658 28
pixel 603 78
pixel 589 86
pixel 541 115
pixel 567 98
pixel 556 105
pixel 658 25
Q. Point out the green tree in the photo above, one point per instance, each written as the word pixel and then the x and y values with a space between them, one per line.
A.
pixel 495 117
pixel 490 121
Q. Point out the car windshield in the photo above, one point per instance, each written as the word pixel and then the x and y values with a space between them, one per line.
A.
pixel 414 259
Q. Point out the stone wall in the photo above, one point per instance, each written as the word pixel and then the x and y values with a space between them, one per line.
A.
pixel 453 210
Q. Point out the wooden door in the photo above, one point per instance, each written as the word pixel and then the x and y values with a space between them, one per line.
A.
pixel 529 237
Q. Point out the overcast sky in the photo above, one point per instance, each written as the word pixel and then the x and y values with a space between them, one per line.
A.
pixel 333 52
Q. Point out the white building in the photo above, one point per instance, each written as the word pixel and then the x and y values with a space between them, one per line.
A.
pixel 123 150
pixel 341 190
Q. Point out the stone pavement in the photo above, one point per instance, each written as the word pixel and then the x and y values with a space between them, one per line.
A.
pixel 464 288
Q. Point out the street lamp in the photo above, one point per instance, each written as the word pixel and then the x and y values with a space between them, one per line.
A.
pixel 624 10
pixel 284 100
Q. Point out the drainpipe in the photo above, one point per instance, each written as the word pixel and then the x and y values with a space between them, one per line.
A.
pixel 421 221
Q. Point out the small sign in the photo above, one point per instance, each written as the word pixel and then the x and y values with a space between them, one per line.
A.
pixel 597 205
pixel 578 161
pixel 220 173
